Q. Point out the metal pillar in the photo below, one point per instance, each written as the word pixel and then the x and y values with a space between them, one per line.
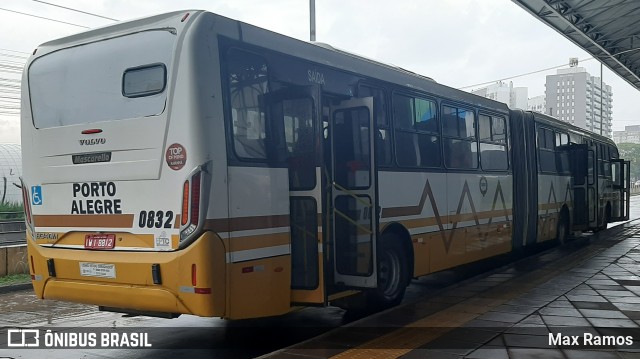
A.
pixel 312 20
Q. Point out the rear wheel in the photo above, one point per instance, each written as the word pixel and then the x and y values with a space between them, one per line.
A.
pixel 393 274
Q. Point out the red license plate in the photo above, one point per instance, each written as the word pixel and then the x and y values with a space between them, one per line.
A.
pixel 99 241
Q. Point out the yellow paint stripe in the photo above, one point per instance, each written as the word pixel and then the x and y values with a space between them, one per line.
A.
pixel 256 242
pixel 547 206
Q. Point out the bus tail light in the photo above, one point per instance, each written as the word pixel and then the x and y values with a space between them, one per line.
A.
pixel 194 202
pixel 185 203
pixel 195 198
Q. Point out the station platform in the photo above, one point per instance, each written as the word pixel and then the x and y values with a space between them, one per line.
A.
pixel 580 300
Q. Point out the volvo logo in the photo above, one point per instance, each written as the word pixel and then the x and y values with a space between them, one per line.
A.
pixel 93 141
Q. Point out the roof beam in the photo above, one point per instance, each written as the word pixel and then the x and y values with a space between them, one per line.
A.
pixel 592 25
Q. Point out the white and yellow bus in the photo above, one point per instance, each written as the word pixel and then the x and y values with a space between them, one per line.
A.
pixel 190 163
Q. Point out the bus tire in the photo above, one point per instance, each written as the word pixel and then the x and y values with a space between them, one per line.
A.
pixel 563 230
pixel 393 274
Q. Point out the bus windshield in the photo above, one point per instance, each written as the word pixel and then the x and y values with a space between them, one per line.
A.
pixel 114 79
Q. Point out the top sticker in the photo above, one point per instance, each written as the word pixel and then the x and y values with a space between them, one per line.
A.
pixel 176 156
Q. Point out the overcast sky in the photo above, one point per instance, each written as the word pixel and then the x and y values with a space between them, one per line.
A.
pixel 456 42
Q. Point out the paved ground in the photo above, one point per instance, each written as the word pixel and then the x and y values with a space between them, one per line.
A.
pixel 588 289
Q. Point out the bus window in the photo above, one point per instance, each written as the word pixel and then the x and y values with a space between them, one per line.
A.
pixel 546 150
pixel 247 76
pixel 493 143
pixel 144 81
pixel 561 139
pixel 461 147
pixel 416 132
pixel 613 152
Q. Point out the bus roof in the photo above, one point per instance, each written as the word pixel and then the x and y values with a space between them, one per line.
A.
pixel 111 30
pixel 348 53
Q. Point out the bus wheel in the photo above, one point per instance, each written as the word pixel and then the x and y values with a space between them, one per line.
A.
pixel 393 274
pixel 562 233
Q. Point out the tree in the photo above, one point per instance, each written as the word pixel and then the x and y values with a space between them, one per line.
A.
pixel 631 152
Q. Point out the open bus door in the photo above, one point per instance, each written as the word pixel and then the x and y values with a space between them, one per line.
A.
pixel 582 165
pixel 353 194
pixel 622 185
pixel 294 116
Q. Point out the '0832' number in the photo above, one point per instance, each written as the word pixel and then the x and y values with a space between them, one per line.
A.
pixel 155 219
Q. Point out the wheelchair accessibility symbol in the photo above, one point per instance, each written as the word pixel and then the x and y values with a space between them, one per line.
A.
pixel 36 195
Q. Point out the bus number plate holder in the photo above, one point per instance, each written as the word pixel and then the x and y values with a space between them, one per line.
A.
pixel 99 241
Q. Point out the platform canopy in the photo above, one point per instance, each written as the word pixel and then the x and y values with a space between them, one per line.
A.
pixel 607 29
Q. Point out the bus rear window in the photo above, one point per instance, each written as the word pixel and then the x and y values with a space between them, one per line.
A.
pixel 144 81
pixel 113 79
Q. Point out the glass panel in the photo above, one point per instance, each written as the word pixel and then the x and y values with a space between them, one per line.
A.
pixel 590 168
pixel 299 132
pixel 485 128
pixel 417 149
pixel 548 139
pixel 466 119
pixel 379 103
pixel 383 143
pixel 354 250
pixel 493 157
pixel 304 243
pixel 541 139
pixel 616 179
pixel 403 112
pixel 562 161
pixel 613 151
pixel 460 153
pixel 426 116
pixel 449 121
pixel 458 123
pixel 547 160
pixel 144 81
pixel 499 129
pixel 407 154
pixel 247 84
pixel 429 149
pixel 352 148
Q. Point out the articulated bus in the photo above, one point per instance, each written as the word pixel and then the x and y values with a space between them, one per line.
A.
pixel 187 163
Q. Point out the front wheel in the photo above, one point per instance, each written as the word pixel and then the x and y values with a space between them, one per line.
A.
pixel 393 274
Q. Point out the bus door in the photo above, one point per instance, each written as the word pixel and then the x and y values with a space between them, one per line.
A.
pixel 593 196
pixel 353 193
pixel 294 118
pixel 622 184
pixel 582 164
